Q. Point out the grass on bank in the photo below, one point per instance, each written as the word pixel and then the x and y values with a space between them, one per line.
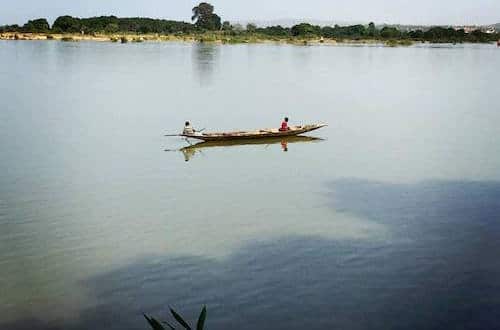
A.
pixel 218 37
pixel 159 325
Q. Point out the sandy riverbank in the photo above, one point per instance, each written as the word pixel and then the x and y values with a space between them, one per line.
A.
pixel 209 38
pixel 88 37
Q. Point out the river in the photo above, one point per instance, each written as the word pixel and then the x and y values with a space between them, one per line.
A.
pixel 390 220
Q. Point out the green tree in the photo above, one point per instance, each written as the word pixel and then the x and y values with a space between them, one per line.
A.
pixel 275 31
pixel 112 28
pixel 238 28
pixel 251 27
pixel 205 17
pixel 112 24
pixel 356 31
pixel 67 24
pixel 390 32
pixel 478 36
pixel 226 26
pixel 328 32
pixel 416 34
pixel 305 29
pixel 37 25
pixel 372 30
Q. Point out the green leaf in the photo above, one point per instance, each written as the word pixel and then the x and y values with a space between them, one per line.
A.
pixel 169 325
pixel 201 319
pixel 180 319
pixel 154 323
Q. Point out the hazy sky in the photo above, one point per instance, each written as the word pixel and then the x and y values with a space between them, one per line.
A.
pixel 379 11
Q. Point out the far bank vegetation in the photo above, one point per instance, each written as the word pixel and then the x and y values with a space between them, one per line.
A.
pixel 207 26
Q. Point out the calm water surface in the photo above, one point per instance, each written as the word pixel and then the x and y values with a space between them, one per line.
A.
pixel 391 221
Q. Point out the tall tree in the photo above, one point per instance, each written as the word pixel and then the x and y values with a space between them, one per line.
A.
pixel 372 30
pixel 67 24
pixel 251 27
pixel 37 25
pixel 205 17
pixel 389 32
pixel 305 29
pixel 226 26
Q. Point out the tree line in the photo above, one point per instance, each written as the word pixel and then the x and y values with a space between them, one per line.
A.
pixel 205 19
pixel 433 34
pixel 103 24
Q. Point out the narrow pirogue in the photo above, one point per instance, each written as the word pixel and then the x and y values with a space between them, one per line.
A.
pixel 257 134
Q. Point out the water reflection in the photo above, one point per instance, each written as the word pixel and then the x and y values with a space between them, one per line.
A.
pixel 205 57
pixel 191 150
pixel 440 267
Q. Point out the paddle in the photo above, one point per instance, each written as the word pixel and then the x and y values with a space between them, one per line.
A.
pixel 201 130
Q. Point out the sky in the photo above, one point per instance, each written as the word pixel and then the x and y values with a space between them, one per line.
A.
pixel 419 12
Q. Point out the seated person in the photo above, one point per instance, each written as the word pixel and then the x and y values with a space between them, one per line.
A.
pixel 284 125
pixel 188 129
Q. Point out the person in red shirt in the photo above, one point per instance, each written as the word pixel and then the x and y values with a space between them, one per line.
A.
pixel 284 125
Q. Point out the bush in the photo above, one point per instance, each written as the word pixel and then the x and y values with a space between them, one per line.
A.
pixel 37 26
pixel 305 29
pixel 390 33
pixel 67 24
pixel 395 43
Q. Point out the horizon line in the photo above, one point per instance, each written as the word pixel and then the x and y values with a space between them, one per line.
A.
pixel 257 20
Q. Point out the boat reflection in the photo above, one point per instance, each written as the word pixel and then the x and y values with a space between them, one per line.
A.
pixel 191 150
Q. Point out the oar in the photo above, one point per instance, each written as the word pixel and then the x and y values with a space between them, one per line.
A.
pixel 201 130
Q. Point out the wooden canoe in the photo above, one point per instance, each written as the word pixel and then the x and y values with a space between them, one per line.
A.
pixel 258 134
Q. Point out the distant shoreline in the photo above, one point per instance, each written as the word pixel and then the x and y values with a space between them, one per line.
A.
pixel 202 38
pixel 209 27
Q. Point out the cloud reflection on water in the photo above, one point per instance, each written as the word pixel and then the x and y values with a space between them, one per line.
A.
pixel 439 269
